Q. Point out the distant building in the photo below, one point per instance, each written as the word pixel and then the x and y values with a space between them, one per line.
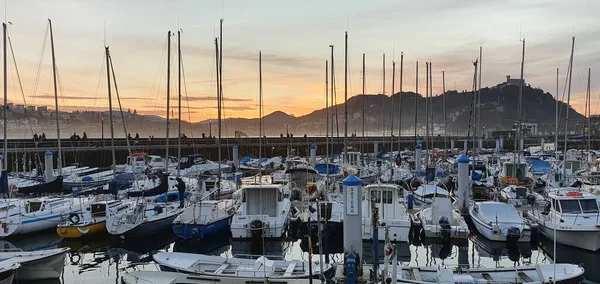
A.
pixel 31 108
pixel 20 107
pixel 9 105
pixel 511 81
pixel 42 108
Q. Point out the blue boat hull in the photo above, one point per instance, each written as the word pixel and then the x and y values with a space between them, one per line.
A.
pixel 150 228
pixel 199 231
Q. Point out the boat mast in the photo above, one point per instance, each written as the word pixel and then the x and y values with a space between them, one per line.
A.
pixel 260 114
pixel 392 107
pixel 570 74
pixel 220 100
pixel 346 97
pixel 333 105
pixel 400 101
pixel 179 100
pixel 416 98
pixel 479 129
pixel 5 152
pixel 444 106
pixel 110 112
pixel 59 158
pixel 218 113
pixel 166 163
pixel 327 115
pixel 556 120
pixel 589 113
pixel 431 103
pixel 520 106
pixel 362 142
pixel 427 114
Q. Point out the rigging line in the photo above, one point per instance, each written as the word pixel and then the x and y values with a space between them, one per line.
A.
pixel 40 62
pixel 23 96
pixel 112 70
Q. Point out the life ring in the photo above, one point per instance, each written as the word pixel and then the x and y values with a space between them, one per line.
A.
pixel 74 218
pixel 73 259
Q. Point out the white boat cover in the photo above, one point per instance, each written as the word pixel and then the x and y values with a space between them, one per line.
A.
pixel 430 189
pixel 502 213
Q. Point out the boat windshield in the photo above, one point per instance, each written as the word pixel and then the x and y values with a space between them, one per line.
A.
pixel 589 205
pixel 577 206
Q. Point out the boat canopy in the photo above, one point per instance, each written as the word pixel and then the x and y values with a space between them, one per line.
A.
pixel 498 213
pixel 431 190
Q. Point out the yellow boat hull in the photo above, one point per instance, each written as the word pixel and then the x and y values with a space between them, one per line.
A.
pixel 80 231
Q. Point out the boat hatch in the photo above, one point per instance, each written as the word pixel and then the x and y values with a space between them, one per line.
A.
pixel 99 210
pixel 34 206
pixel 521 192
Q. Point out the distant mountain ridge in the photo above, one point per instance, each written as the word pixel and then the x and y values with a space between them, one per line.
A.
pixel 498 112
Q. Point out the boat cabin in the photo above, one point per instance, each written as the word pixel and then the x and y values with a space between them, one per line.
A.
pixel 46 204
pixel 301 175
pixel 572 201
pixel 262 199
pixel 572 166
pixel 191 160
pixel 354 158
pixel 512 169
pixel 98 209
pixel 384 197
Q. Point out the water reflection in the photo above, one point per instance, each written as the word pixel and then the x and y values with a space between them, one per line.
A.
pixel 105 259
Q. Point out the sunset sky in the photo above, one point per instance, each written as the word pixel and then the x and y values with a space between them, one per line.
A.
pixel 294 37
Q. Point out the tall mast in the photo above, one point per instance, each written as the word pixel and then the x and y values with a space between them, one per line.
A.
pixel 427 112
pixel 444 106
pixel 179 100
pixel 589 113
pixel 362 142
pixel 568 105
pixel 431 102
pixel 473 117
pixel 168 98
pixel 416 99
pixel 327 113
pixel 479 129
pixel 333 105
pixel 110 112
pixel 556 120
pixel 218 113
pixel 383 91
pixel 59 158
pixel 520 106
pixel 346 97
pixel 400 101
pixel 5 152
pixel 260 103
pixel 220 100
pixel 392 107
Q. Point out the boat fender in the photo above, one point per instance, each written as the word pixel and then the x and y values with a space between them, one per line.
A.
pixel 74 218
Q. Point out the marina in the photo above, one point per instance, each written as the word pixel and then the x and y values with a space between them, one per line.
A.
pixel 380 192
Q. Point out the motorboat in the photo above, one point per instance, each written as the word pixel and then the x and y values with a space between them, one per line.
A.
pixel 517 195
pixel 141 218
pixel 204 218
pixel 36 265
pixel 440 221
pixel 540 273
pixel 426 192
pixel 499 221
pixel 162 277
pixel 91 221
pixel 244 267
pixel 8 270
pixel 515 173
pixel 23 216
pixel 264 213
pixel 384 197
pixel 572 216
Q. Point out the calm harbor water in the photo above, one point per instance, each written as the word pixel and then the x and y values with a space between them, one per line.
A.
pixel 106 259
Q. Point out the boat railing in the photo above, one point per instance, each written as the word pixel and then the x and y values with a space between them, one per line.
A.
pixel 256 256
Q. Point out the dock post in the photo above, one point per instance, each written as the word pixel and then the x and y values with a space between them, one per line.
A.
pixel 466 146
pixel 452 144
pixel 353 217
pixel 497 145
pixel 521 145
pixel 463 182
pixel 480 144
pixel 236 159
pixel 313 154
pixel 501 143
pixel 543 142
pixel 418 156
pixel 375 149
pixel 48 167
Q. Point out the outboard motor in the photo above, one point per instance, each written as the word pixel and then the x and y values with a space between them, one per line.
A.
pixel 446 229
pixel 256 229
pixel 295 195
pixel 513 234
